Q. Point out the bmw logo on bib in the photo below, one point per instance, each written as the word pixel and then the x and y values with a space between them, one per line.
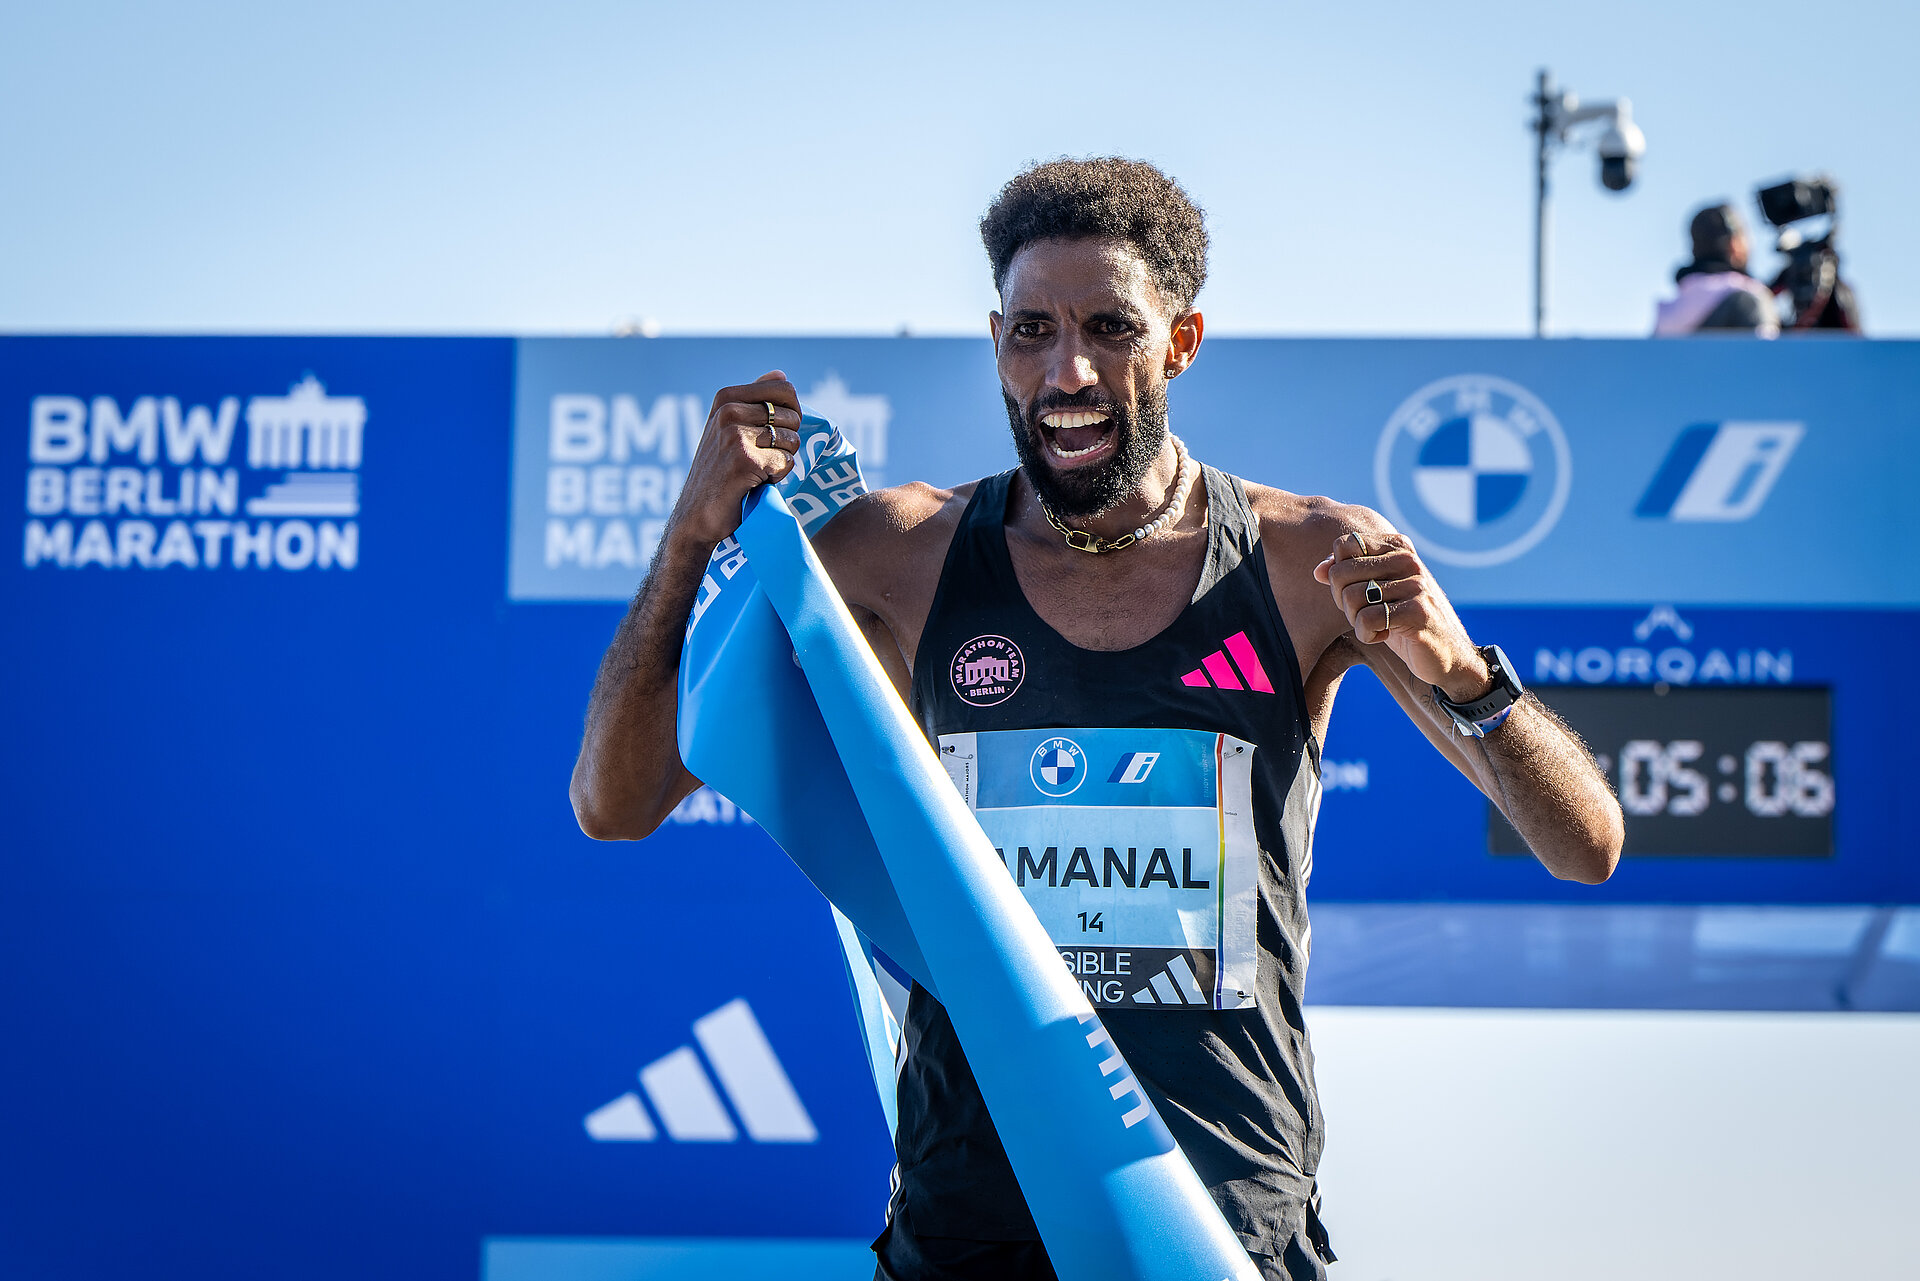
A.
pixel 1474 469
pixel 1059 766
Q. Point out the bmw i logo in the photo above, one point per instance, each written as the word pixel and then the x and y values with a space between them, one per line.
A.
pixel 1474 469
pixel 1058 766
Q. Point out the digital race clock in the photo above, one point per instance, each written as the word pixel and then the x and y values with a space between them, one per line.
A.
pixel 1744 770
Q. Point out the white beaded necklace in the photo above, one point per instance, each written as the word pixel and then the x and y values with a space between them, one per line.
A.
pixel 1169 517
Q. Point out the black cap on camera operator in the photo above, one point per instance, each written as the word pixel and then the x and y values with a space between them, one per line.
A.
pixel 1715 292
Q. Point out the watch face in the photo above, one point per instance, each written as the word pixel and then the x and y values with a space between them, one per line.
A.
pixel 1508 678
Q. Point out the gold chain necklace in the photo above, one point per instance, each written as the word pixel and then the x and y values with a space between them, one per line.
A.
pixel 1080 540
pixel 1170 512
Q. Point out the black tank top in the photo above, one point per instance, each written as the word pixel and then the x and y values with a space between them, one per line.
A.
pixel 1234 1085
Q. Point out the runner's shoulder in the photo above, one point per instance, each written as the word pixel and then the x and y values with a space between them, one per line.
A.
pixel 909 513
pixel 1302 528
pixel 903 527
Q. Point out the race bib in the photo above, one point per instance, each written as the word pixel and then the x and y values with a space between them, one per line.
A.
pixel 1134 847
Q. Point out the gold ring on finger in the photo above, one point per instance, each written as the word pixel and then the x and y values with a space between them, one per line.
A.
pixel 1386 616
pixel 1375 595
pixel 769 405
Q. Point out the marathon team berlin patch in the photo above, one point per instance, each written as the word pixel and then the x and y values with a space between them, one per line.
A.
pixel 988 670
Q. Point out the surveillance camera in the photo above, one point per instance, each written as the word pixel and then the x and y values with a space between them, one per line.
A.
pixel 1620 148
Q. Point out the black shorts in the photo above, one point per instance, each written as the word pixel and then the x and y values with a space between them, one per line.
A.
pixel 906 1256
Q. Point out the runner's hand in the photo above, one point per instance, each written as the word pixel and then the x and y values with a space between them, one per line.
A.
pixel 738 453
pixel 1413 617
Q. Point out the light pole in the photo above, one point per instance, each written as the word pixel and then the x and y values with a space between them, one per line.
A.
pixel 1557 114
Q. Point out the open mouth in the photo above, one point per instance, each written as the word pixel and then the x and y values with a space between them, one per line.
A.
pixel 1074 435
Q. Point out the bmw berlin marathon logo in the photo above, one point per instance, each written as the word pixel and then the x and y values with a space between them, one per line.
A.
pixel 1059 766
pixel 1474 469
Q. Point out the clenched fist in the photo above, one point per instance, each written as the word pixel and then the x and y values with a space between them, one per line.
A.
pixel 1379 582
pixel 750 439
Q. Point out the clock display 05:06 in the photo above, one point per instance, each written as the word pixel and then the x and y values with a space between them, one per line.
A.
pixel 1772 778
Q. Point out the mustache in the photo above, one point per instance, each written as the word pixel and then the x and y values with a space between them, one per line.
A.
pixel 1051 402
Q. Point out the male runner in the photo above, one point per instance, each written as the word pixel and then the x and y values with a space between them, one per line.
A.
pixel 1112 581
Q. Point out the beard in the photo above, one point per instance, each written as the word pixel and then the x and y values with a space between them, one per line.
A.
pixel 1139 434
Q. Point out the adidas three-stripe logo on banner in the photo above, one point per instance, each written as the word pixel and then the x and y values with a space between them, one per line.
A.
pixel 1175 985
pixel 688 1106
pixel 1216 672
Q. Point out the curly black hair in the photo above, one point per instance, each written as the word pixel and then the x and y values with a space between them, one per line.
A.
pixel 1103 196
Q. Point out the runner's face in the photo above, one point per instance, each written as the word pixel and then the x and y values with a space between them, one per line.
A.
pixel 1083 349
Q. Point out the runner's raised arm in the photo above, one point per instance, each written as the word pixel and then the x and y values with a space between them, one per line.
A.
pixel 628 776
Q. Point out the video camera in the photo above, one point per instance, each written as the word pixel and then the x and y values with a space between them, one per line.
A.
pixel 1797 199
pixel 1811 278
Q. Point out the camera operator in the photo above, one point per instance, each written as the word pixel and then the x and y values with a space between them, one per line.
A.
pixel 1715 293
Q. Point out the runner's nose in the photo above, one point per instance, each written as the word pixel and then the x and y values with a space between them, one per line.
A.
pixel 1072 370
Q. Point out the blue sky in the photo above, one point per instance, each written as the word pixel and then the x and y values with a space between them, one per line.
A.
pixel 737 168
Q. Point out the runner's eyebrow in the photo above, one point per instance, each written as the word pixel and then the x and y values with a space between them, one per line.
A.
pixel 1126 315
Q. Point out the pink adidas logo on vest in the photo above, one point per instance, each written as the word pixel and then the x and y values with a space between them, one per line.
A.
pixel 1215 672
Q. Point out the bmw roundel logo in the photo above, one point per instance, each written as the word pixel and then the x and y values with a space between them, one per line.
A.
pixel 1474 469
pixel 1058 766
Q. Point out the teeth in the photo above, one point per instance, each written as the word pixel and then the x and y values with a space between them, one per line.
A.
pixel 1072 418
pixel 1075 453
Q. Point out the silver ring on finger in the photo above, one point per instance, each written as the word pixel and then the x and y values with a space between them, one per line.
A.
pixel 1375 596
pixel 769 405
pixel 1386 616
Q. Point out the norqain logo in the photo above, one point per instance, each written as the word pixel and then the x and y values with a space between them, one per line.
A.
pixel 155 484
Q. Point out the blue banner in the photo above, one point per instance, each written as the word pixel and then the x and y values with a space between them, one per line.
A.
pixel 310 972
pixel 313 974
pixel 1588 473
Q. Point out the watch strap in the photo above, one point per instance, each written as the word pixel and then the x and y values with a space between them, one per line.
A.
pixel 1491 709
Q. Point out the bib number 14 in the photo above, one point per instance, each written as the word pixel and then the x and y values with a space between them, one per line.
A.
pixel 1092 921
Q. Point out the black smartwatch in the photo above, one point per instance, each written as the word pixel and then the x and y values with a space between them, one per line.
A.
pixel 1476 719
